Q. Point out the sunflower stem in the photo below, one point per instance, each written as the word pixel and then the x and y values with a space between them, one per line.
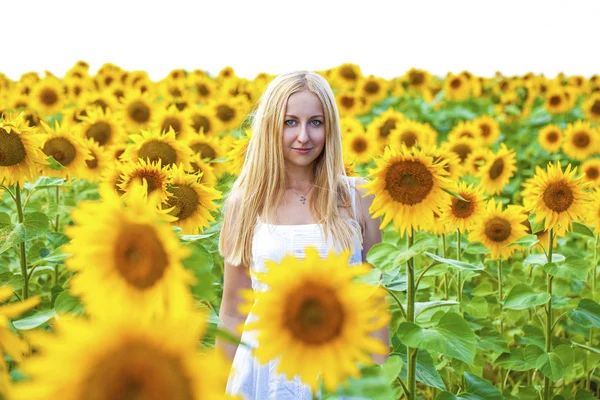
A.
pixel 57 210
pixel 446 285
pixel 549 314
pixel 458 275
pixel 7 190
pixel 500 293
pixel 22 244
pixel 397 301
pixel 410 317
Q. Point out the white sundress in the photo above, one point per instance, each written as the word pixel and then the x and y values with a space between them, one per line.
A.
pixel 248 377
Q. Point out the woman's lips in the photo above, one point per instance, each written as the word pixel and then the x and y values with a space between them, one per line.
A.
pixel 302 151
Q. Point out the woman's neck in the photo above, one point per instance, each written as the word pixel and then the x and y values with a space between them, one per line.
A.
pixel 300 178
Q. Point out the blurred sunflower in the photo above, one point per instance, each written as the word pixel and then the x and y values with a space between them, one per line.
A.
pixel 360 147
pixel 408 187
pixel 449 161
pixel 99 160
pixel 350 104
pixel 203 86
pixel 592 217
pixel 105 100
pixel 210 148
pixel 412 133
pixel 591 170
pixel 104 127
pixel 124 358
pixel 558 197
pixel 476 159
pixel 382 125
pixel 237 154
pixel 462 214
pixel 20 153
pixel 346 76
pixel 456 87
pixel 591 108
pixel 111 179
pixel 550 138
pixel 581 140
pixel 204 170
pixel 202 120
pixel 136 110
pixel 116 151
pixel 350 125
pixel 65 147
pixel 47 96
pixel 228 112
pixel 462 148
pixel 418 79
pixel 556 101
pixel 499 227
pixel 498 170
pixel 322 315
pixel 373 89
pixel 489 129
pixel 154 146
pixel 464 130
pixel 138 261
pixel 190 202
pixel 165 119
pixel 155 175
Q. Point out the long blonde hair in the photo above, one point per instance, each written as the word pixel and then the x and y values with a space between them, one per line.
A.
pixel 258 189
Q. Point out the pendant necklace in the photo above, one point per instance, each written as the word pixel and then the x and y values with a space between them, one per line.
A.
pixel 302 198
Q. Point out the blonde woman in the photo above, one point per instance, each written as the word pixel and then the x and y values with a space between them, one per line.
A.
pixel 292 192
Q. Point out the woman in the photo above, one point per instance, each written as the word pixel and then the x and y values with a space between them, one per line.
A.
pixel 292 193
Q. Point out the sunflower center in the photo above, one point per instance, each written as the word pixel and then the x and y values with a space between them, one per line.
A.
pixel 12 149
pixel 32 120
pixel 139 112
pixel 93 163
pixel 48 96
pixel 455 83
pixel 153 178
pixel 497 229
pixel 592 173
pixel 552 137
pixel 315 316
pixel 347 101
pixel 100 132
pixel 155 150
pixel 61 149
pixel 202 90
pixel 348 73
pixel 171 122
pixel 185 200
pixel 372 87
pixel 485 130
pixel 595 109
pixel 205 150
pixel 387 128
pixel 497 168
pixel 555 100
pixel 408 182
pixel 558 196
pixel 416 78
pixel 409 138
pixel 461 208
pixel 137 370
pixel 225 113
pixel 139 255
pixel 462 150
pixel 200 122
pixel 359 145
pixel 581 140
pixel 100 103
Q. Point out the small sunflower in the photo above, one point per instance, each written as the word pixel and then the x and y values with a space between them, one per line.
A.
pixel 418 79
pixel 456 87
pixel 499 227
pixel 104 127
pixel 202 120
pixel 171 118
pixel 556 100
pixel 462 214
pixel 360 147
pixel 591 171
pixel 229 112
pixel 591 108
pixel 462 148
pixel 350 125
pixel 138 259
pixel 550 138
pixel 382 126
pixel 449 160
pixel 557 196
pixel 346 76
pixel 350 104
pixel 438 227
pixel 204 87
pixel 581 140
pixel 47 96
pixel 190 202
pixel 477 159
pixel 489 129
pixel 66 148
pixel 408 187
pixel 124 359
pixel 111 179
pixel 155 175
pixel 99 160
pixel 210 148
pixel 154 146
pixel 464 130
pixel 498 170
pixel 20 153
pixel 412 133
pixel 322 315
pixel 592 216
pixel 373 89
pixel 136 110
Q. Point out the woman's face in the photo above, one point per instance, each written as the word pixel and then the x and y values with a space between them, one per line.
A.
pixel 303 129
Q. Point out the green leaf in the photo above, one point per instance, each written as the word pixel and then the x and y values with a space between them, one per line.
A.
pixel 541 259
pixel 525 241
pixel 4 220
pixel 193 238
pixel 532 335
pixel 44 182
pixel 42 270
pixel 454 194
pixel 590 349
pixel 382 256
pixel 531 353
pixel 57 239
pixel 587 314
pixel 513 361
pixel 454 263
pixel 491 339
pixel 485 288
pixel 551 366
pixel 417 248
pixel 584 395
pixel 10 236
pixel 392 367
pixel 67 304
pixel 521 296
pixel 372 384
pixel 572 268
pixel 35 320
pixel 476 248
pixel 452 336
pixel 481 388
pixel 53 164
pixel 477 307
pixel 582 229
pixel 200 262
pixel 35 225
pixel 426 371
pixel 12 280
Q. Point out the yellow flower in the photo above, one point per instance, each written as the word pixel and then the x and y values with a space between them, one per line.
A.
pixel 360 146
pixel 153 146
pixel 204 170
pixel 409 188
pixel 384 124
pixel 449 160
pixel 203 87
pixel 209 148
pixel 581 140
pixel 136 110
pixel 464 130
pixel 477 159
pixel 320 314
pixel 99 160
pixel 155 175
pixel 499 227
pixel 48 96
pixel 550 138
pixel 165 119
pixel 498 170
pixel 373 89
pixel 591 170
pixel 126 254
pixel 418 79
pixel 489 129
pixel 202 120
pixel 229 112
pixel 345 76
pixel 124 358
pixel 350 104
pixel 65 147
pixel 592 216
pixel 556 100
pixel 556 196
pixel 103 127
pixel 456 87
pixel 237 154
pixel 412 133
pixel 591 108
pixel 461 214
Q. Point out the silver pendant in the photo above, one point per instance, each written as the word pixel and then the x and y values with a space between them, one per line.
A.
pixel 303 199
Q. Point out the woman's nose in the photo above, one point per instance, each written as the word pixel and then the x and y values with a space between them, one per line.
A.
pixel 303 134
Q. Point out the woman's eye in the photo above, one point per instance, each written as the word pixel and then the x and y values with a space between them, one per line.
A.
pixel 290 122
pixel 316 122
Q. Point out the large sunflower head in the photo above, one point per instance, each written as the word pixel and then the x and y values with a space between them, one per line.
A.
pixel 67 148
pixel 581 140
pixel 498 170
pixel 104 127
pixel 498 227
pixel 310 314
pixel 154 146
pixel 462 213
pixel 591 108
pixel 137 263
pixel 558 197
pixel 155 175
pixel 128 358
pixel 20 154
pixel 408 187
pixel 591 171
pixel 190 202
pixel 48 96
pixel 550 138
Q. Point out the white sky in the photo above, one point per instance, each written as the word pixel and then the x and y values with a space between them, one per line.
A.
pixel 386 38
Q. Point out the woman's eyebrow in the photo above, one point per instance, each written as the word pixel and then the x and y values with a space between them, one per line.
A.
pixel 313 116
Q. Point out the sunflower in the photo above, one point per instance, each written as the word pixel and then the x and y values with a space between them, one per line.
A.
pixel 190 202
pixel 237 154
pixel 591 170
pixel 462 148
pixel 111 179
pixel 476 159
pixel 99 160
pixel 489 129
pixel 462 214
pixel 47 96
pixel 464 130
pixel 204 171
pixel 204 87
pixel 408 187
pixel 19 151
pixel 373 89
pixel 557 196
pixel 210 148
pixel 66 148
pixel 449 160
pixel 456 87
pixel 591 108
pixel 155 175
pixel 360 147
pixel 154 146
pixel 384 124
pixel 116 151
pixel 104 127
pixel 581 140
pixel 412 133
pixel 556 101
pixel 498 170
pixel 124 359
pixel 349 104
pixel 346 76
pixel 418 79
pixel 136 110
pixel 550 138
pixel 171 118
pixel 9 343
pixel 592 217
pixel 498 227
pixel 321 315
pixel 138 259
pixel 105 100
pixel 438 227
pixel 350 125
pixel 202 120
pixel 229 112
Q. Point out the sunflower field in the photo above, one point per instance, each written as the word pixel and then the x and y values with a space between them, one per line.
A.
pixel 111 202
